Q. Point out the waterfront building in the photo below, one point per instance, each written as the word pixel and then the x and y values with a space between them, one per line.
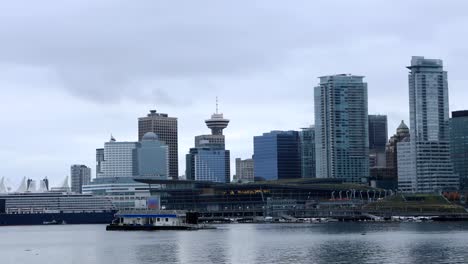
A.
pixel 311 197
pixel 153 157
pixel 209 160
pixel 459 145
pixel 122 162
pixel 378 136
pixel 383 178
pixel 431 168
pixel 124 192
pixel 166 129
pixel 80 175
pixel 307 137
pixel 149 157
pixel 244 170
pixel 341 128
pixel 277 155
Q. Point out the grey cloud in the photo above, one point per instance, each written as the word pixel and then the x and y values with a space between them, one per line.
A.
pixel 100 48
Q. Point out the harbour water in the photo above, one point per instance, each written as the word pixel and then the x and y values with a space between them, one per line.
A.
pixel 240 243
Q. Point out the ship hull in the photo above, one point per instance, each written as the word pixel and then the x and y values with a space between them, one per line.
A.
pixel 56 218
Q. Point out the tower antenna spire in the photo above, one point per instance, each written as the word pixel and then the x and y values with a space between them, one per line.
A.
pixel 216 104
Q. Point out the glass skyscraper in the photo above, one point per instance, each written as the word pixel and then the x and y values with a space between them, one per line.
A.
pixel 307 136
pixel 341 128
pixel 153 157
pixel 378 137
pixel 459 145
pixel 429 168
pixel 209 160
pixel 277 155
pixel 378 132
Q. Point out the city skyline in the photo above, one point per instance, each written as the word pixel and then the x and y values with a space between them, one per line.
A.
pixel 81 100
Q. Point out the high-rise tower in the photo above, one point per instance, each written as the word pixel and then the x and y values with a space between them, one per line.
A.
pixel 341 128
pixel 378 136
pixel 459 145
pixel 165 128
pixel 209 160
pixel 429 168
pixel 80 175
pixel 277 155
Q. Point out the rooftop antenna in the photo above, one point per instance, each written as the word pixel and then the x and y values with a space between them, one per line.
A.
pixel 216 104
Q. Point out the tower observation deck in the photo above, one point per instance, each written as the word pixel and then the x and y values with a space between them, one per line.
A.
pixel 217 122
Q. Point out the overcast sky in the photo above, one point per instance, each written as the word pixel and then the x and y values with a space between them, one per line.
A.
pixel 73 72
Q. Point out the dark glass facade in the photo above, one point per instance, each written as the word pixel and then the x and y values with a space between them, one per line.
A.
pixel 307 136
pixel 277 155
pixel 299 197
pixel 378 133
pixel 459 145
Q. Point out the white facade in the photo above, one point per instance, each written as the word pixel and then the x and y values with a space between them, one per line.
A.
pixel 341 128
pixel 119 159
pixel 406 167
pixel 124 193
pixel 244 170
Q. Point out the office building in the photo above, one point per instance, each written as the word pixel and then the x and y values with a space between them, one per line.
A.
pixel 459 145
pixel 166 129
pixel 430 169
pixel 307 137
pixel 277 155
pixel 122 162
pixel 244 170
pixel 80 175
pixel 378 136
pixel 208 164
pixel 99 160
pixel 341 128
pixel 209 160
pixel 124 192
pixel 147 158
pixel 153 157
pixel 211 165
pixel 391 153
pixel 120 159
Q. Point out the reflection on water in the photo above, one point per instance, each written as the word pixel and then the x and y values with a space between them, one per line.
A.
pixel 263 243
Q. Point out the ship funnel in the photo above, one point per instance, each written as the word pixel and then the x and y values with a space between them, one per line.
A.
pixel 44 185
pixel 31 186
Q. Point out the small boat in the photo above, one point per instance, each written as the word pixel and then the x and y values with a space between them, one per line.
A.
pixel 153 220
pixel 54 222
